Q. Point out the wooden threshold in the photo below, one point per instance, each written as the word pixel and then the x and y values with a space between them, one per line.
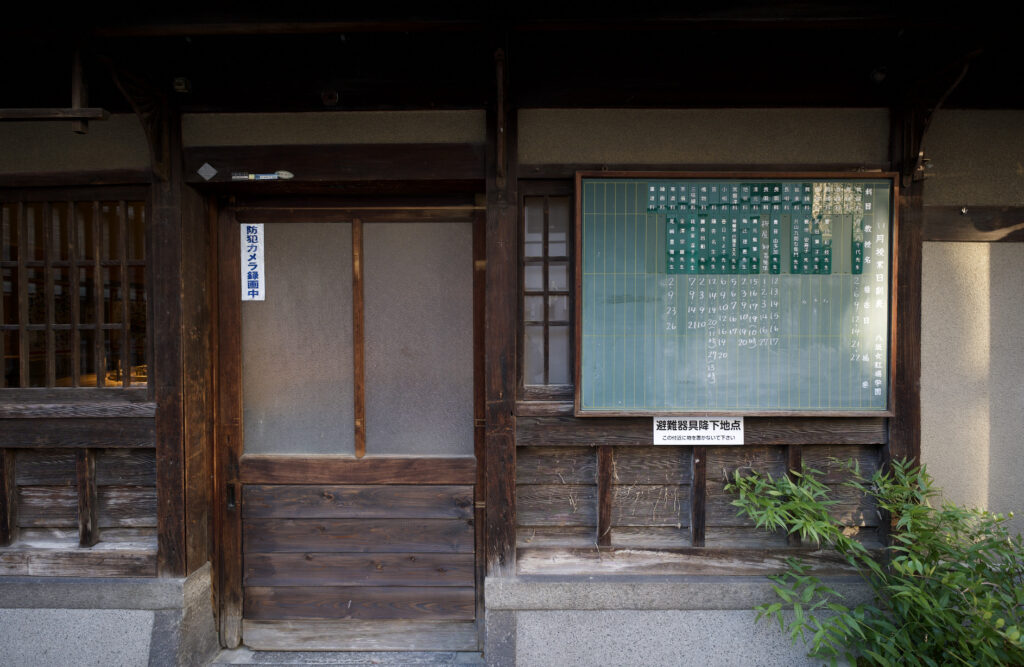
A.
pixel 329 469
pixel 346 635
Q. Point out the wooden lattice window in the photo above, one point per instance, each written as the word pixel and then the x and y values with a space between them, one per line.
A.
pixel 546 294
pixel 74 304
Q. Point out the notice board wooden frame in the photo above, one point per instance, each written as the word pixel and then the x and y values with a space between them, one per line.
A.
pixel 892 177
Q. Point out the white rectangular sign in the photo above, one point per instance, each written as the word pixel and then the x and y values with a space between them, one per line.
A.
pixel 698 430
pixel 254 277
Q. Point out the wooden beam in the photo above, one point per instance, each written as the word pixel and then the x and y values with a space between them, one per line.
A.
pixel 336 163
pixel 315 469
pixel 61 179
pixel 986 224
pixel 905 426
pixel 636 431
pixel 73 114
pixel 75 432
pixel 500 328
pixel 88 520
pixel 8 499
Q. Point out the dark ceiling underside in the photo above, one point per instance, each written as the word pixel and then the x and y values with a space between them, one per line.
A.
pixel 738 54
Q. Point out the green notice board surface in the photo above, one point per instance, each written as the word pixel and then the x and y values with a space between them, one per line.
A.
pixel 743 295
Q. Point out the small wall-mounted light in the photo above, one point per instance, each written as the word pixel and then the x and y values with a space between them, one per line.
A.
pixel 281 174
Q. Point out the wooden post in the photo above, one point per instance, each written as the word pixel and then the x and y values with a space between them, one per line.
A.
pixel 88 521
pixel 8 499
pixel 500 329
pixel 358 340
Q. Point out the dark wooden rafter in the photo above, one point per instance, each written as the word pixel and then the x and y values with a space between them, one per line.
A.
pixel 500 319
pixel 78 113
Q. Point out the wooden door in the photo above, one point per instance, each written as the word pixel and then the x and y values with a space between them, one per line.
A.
pixel 349 410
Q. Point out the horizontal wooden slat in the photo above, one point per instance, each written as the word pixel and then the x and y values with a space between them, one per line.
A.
pixel 556 465
pixel 358 535
pixel 634 431
pixel 829 460
pixel 642 505
pixel 562 505
pixel 544 408
pixel 45 467
pixel 319 569
pixel 417 214
pixel 284 469
pixel 126 467
pixel 571 537
pixel 347 635
pixel 357 502
pixel 99 409
pixel 360 602
pixel 52 113
pixel 652 465
pixel 722 462
pixel 743 537
pixel 74 432
pixel 650 537
pixel 851 508
pixel 91 562
pixel 693 561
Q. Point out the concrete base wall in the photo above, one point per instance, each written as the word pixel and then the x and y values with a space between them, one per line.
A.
pixel 540 621
pixel 92 621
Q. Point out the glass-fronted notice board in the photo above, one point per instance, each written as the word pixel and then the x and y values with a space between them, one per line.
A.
pixel 766 295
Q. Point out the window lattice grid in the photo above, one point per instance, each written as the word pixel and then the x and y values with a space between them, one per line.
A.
pixel 73 312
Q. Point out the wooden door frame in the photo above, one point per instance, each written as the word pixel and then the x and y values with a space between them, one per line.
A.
pixel 232 470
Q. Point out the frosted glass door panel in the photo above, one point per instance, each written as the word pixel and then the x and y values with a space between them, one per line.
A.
pixel 418 287
pixel 297 345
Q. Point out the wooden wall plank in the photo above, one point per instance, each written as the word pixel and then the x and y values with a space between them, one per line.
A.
pixel 346 635
pixel 362 602
pixel 694 561
pixel 570 537
pixel 45 467
pixel 358 502
pixel 652 465
pixel 556 465
pixel 77 432
pixel 359 535
pixel 632 431
pixel 651 537
pixel 381 569
pixel 49 506
pixel 648 505
pixel 88 503
pixel 77 563
pixel 829 460
pixel 125 467
pixel 300 469
pixel 8 498
pixel 127 506
pixel 557 505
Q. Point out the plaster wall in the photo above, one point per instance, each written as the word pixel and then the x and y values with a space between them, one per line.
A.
pixel 341 127
pixel 685 137
pixel 972 363
pixel 52 146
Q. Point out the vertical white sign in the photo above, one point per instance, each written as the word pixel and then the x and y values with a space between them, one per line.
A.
pixel 254 277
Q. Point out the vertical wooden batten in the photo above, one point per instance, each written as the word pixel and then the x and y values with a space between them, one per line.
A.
pixel 88 521
pixel 605 473
pixel 500 327
pixel 358 340
pixel 8 499
pixel 698 495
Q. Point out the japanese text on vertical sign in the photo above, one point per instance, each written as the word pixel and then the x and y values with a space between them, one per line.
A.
pixel 254 286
